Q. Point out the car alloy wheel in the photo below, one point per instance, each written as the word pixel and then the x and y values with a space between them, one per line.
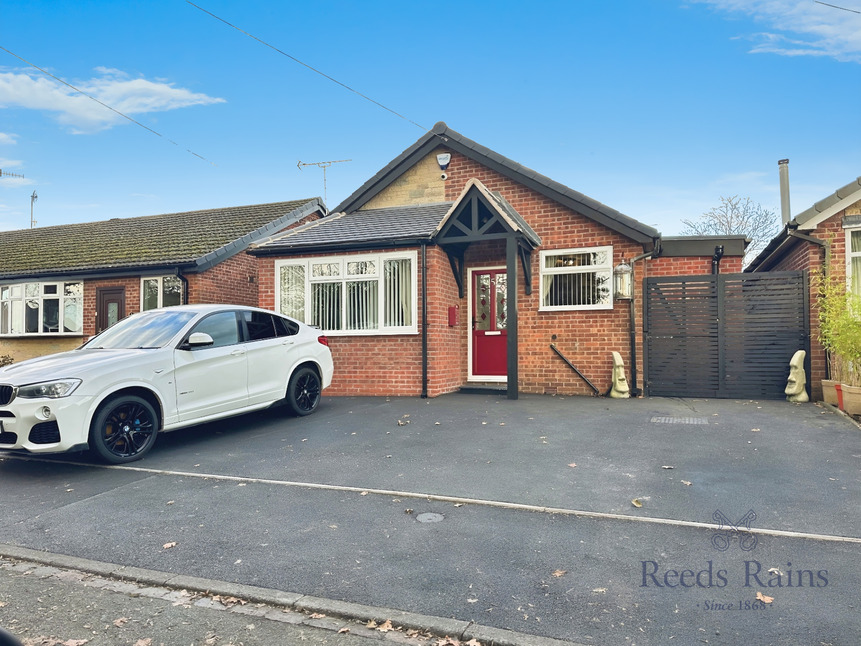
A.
pixel 303 393
pixel 124 429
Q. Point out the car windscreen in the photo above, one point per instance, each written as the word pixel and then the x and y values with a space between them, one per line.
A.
pixel 146 330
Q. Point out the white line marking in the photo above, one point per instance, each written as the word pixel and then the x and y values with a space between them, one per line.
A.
pixel 577 513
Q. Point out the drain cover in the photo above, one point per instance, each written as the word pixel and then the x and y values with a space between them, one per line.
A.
pixel 429 517
pixel 679 420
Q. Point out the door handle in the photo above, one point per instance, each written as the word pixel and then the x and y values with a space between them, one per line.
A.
pixel 288 342
pixel 238 352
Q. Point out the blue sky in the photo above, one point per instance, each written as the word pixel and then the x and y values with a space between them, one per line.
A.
pixel 655 108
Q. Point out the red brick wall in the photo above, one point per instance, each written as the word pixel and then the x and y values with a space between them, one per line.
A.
pixel 391 365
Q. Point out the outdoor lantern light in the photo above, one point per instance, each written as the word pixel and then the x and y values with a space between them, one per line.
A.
pixel 622 281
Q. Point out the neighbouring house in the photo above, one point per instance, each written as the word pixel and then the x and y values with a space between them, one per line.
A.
pixel 62 284
pixel 454 266
pixel 824 240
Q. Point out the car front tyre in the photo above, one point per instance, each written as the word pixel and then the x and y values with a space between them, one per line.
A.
pixel 303 392
pixel 124 429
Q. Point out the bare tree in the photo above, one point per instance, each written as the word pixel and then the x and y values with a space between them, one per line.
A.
pixel 737 216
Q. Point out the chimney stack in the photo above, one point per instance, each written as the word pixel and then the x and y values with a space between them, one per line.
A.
pixel 783 168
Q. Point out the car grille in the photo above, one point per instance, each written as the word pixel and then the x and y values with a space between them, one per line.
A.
pixel 7 394
pixel 7 437
pixel 45 433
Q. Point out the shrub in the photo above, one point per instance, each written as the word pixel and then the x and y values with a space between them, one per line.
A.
pixel 840 330
pixel 5 360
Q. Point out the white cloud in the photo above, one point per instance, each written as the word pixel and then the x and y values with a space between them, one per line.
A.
pixel 131 96
pixel 801 27
pixel 6 139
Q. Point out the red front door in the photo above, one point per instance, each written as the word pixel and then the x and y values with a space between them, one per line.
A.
pixel 489 324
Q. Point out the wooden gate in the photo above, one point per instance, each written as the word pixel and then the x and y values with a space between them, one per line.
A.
pixel 724 335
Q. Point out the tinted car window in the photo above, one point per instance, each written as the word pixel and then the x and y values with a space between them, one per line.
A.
pixel 222 327
pixel 259 325
pixel 285 327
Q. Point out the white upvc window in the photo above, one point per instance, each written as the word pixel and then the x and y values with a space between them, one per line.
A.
pixel 54 308
pixel 853 260
pixel 577 279
pixel 160 291
pixel 350 295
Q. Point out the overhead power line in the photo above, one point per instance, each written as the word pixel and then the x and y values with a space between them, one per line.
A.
pixel 313 69
pixel 834 6
pixel 101 103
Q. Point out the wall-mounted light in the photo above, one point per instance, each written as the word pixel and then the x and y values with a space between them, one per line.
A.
pixel 623 284
pixel 443 159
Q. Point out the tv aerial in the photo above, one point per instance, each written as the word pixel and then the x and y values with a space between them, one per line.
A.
pixel 324 165
pixel 4 173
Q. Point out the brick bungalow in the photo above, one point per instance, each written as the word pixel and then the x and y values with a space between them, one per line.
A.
pixel 455 266
pixel 824 240
pixel 62 284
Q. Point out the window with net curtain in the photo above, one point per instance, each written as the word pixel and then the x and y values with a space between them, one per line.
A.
pixel 352 294
pixel 577 279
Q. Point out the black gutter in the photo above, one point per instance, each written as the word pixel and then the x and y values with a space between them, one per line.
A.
pixel 77 274
pixel 184 282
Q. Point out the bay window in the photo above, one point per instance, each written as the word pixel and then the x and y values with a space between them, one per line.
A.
pixel 41 308
pixel 367 294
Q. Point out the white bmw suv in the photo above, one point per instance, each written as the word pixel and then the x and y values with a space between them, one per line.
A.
pixel 161 370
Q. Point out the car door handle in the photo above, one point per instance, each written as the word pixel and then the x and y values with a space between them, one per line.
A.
pixel 238 352
pixel 288 342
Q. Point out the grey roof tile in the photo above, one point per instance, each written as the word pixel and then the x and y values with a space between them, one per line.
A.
pixel 386 226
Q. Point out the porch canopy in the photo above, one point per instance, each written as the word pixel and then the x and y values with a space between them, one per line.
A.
pixel 481 216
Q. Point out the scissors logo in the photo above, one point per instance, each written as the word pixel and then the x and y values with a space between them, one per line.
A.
pixel 723 537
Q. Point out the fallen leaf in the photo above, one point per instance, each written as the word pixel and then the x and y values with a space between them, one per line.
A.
pixel 667 466
pixel 140 642
pixel 317 615
pixel 763 598
pixel 599 590
pixel 474 641
pixel 687 483
pixel 170 502
pixel 122 621
pixel 408 510
pixel 386 626
pixel 472 600
pixel 458 504
pixel 167 546
pixel 559 573
pixel 343 630
pixel 636 502
pixel 364 493
pixel 572 465
pixel 754 430
pixel 371 624
pixel 436 423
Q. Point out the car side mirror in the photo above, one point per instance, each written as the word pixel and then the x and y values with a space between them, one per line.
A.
pixel 197 340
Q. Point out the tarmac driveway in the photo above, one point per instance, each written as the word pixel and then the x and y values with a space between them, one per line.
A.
pixel 586 519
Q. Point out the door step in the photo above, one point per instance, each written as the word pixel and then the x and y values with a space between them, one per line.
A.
pixel 478 388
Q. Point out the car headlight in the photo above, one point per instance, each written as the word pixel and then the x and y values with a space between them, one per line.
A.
pixel 49 389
